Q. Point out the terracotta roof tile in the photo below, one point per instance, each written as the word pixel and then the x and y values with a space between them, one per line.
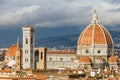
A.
pixel 11 50
pixel 41 77
pixel 6 71
pixel 96 34
pixel 85 59
pixel 113 58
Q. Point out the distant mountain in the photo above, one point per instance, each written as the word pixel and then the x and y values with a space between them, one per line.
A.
pixel 116 36
pixel 49 37
pixel 69 40
pixel 66 41
pixel 9 36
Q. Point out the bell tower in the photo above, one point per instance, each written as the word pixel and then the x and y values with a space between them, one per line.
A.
pixel 28 47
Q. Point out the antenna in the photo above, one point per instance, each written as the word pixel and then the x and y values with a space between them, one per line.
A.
pixel 28 21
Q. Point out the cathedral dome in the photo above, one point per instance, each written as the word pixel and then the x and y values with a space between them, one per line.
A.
pixel 95 33
pixel 11 50
pixel 113 58
pixel 85 59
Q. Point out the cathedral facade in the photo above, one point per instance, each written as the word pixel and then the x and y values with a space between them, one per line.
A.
pixel 95 45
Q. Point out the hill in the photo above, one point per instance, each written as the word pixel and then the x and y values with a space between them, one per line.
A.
pixel 69 40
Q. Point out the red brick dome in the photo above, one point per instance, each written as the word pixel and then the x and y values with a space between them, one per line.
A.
pixel 95 33
pixel 11 50
pixel 113 58
pixel 85 59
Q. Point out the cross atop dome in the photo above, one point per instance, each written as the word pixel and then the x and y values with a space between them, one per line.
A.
pixel 94 18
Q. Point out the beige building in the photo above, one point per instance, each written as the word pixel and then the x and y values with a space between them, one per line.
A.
pixel 40 58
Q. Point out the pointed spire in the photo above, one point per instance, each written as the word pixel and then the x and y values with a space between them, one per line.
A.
pixel 18 43
pixel 94 18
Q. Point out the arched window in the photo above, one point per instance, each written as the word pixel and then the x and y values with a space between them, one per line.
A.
pixel 32 40
pixel 99 51
pixel 41 57
pixel 36 56
pixel 26 60
pixel 26 41
pixel 50 59
pixel 61 59
pixel 87 51
pixel 26 51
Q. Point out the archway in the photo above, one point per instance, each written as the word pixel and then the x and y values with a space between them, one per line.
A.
pixel 36 58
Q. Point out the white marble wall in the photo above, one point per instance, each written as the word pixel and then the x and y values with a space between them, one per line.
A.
pixel 60 60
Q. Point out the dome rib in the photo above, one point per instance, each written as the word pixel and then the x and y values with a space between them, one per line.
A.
pixel 93 33
pixel 82 34
pixel 103 32
pixel 99 36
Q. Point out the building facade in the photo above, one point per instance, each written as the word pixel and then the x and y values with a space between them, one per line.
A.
pixel 40 58
pixel 57 59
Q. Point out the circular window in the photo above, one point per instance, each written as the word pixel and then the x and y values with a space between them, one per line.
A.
pixel 99 51
pixel 72 59
pixel 50 59
pixel 87 51
pixel 61 59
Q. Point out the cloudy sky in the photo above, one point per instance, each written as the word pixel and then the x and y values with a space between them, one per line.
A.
pixel 57 13
pixel 54 17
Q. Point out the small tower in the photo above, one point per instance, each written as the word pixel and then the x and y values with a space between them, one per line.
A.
pixel 40 58
pixel 28 47
pixel 18 55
